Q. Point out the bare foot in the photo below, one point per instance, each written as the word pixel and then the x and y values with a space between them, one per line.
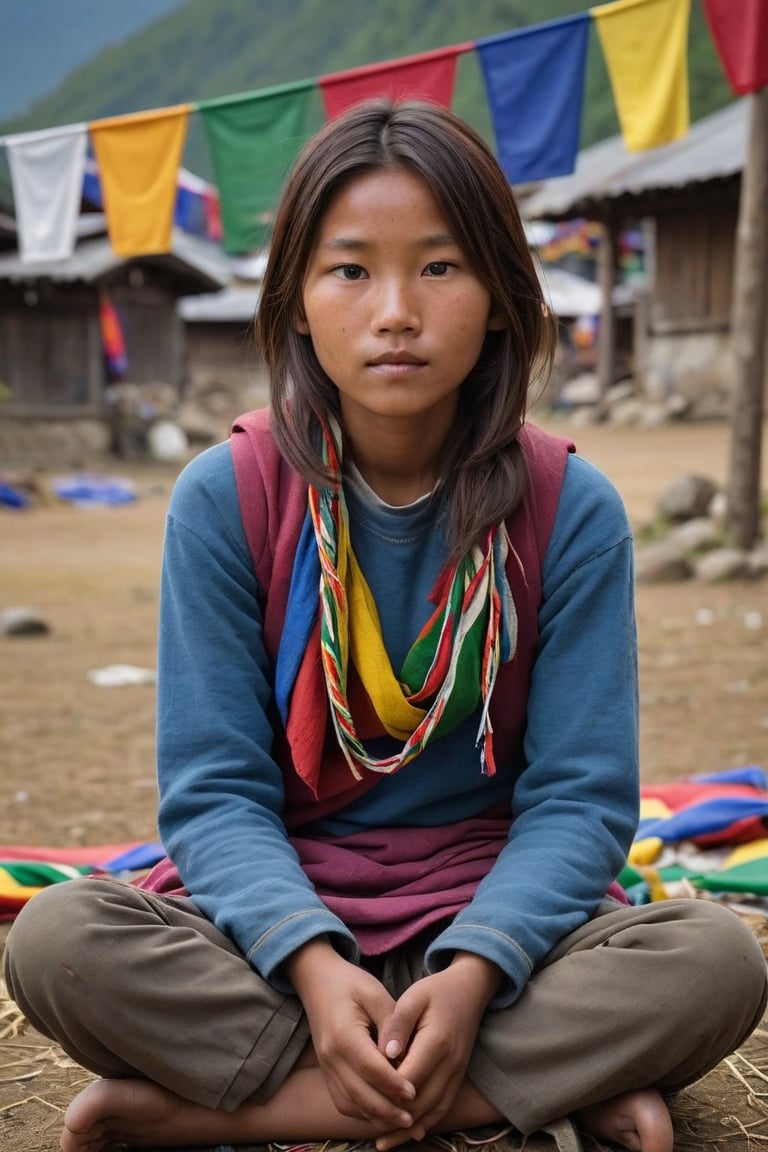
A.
pixel 639 1121
pixel 142 1114
pixel 134 1112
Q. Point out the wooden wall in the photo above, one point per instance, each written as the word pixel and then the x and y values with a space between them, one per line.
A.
pixel 50 350
pixel 51 357
pixel 154 334
pixel 694 255
pixel 221 354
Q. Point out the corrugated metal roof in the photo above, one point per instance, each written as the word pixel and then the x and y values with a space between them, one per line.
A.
pixel 715 147
pixel 568 295
pixel 94 259
pixel 236 304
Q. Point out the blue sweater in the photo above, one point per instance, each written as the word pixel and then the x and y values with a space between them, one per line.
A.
pixel 573 792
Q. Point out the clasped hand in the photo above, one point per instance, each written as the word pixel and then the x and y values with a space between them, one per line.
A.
pixel 396 1064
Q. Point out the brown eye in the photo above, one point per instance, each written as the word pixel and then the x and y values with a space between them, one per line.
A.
pixel 350 272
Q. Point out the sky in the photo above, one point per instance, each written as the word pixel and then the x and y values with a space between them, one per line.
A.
pixel 42 41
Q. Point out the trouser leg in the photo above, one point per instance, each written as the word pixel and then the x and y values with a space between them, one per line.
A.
pixel 131 984
pixel 638 997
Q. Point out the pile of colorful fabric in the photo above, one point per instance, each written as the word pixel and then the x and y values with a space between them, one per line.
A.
pixel 25 869
pixel 704 835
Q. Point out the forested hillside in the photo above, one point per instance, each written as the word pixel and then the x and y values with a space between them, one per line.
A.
pixel 219 47
pixel 43 41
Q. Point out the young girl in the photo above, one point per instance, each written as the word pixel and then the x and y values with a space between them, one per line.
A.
pixel 397 728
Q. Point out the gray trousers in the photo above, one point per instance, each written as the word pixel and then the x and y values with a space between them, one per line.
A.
pixel 133 984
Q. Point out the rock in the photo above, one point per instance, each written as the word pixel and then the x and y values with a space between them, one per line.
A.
pixel 19 621
pixel 677 405
pixel 625 412
pixel 157 399
pixel 619 392
pixel 687 497
pixel 653 416
pixel 582 389
pixel 585 416
pixel 664 561
pixel 757 561
pixel 167 442
pixel 721 564
pixel 718 509
pixel 198 424
pixel 695 534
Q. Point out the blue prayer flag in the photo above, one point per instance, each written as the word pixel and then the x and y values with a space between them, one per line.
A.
pixel 534 79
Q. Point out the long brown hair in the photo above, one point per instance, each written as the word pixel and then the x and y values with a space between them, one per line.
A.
pixel 483 469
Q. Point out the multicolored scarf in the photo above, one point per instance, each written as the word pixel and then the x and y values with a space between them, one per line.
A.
pixel 449 672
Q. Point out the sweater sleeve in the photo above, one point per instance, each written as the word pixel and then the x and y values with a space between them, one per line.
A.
pixel 575 804
pixel 221 792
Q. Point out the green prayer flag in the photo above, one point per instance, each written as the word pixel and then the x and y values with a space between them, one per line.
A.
pixel 254 139
pixel 37 874
pixel 751 876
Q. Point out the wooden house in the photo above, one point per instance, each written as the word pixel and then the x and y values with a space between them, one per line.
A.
pixel 52 364
pixel 223 367
pixel 685 198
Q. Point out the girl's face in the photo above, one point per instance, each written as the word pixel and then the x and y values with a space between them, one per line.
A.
pixel 396 314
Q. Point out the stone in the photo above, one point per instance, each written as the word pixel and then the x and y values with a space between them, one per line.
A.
pixel 664 561
pixel 653 416
pixel 721 564
pixel 167 442
pixel 757 561
pixel 695 534
pixel 687 497
pixel 625 412
pixel 21 621
pixel 582 389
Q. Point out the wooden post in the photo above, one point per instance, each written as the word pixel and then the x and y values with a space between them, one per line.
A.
pixel 750 295
pixel 606 337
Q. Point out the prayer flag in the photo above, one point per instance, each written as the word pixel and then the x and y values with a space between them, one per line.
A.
pixel 254 139
pixel 138 158
pixel 740 31
pixel 47 177
pixel 197 202
pixel 25 869
pixel 645 47
pixel 112 339
pixel 429 76
pixel 534 79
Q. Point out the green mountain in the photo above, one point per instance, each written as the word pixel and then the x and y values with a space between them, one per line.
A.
pixel 43 41
pixel 207 48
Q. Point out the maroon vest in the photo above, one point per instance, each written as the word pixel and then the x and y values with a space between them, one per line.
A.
pixel 273 506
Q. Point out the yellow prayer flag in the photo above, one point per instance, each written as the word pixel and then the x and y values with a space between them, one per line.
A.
pixel 645 44
pixel 138 157
pixel 746 853
pixel 645 851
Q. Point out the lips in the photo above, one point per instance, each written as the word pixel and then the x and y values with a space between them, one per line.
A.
pixel 396 358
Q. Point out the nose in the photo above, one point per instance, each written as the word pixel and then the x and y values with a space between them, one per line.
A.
pixel 395 307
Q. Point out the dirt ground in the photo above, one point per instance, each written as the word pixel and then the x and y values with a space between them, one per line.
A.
pixel 77 758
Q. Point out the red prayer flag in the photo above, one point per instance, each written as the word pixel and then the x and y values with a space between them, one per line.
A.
pixel 740 31
pixel 112 339
pixel 429 76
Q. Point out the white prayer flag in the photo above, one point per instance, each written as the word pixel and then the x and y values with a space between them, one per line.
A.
pixel 47 177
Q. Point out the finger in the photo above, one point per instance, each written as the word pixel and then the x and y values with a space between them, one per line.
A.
pixel 396 1031
pixel 427 1053
pixel 357 1099
pixel 376 1070
pixel 389 1081
pixel 363 1084
pixel 400 1136
pixel 436 1095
